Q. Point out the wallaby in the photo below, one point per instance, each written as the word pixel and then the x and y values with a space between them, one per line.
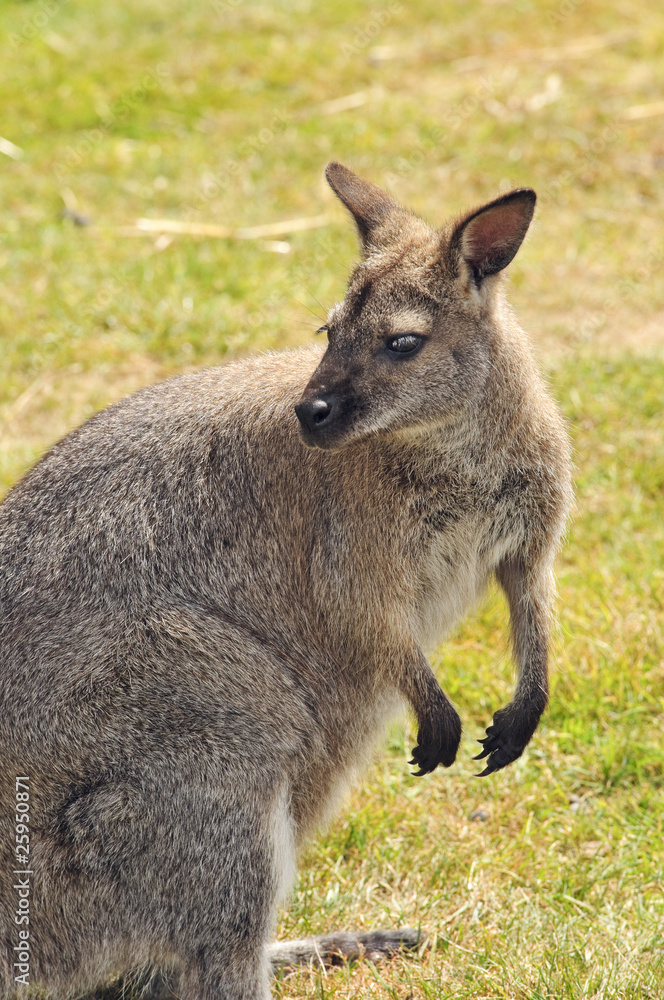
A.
pixel 216 593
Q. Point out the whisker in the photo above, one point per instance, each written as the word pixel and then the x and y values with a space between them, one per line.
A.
pixel 304 306
pixel 309 292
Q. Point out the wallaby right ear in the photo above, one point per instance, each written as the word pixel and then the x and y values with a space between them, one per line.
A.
pixel 369 205
pixel 488 239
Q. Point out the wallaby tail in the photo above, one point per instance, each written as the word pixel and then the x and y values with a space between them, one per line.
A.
pixel 343 946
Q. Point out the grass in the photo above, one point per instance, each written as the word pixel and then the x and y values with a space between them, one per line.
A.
pixel 226 113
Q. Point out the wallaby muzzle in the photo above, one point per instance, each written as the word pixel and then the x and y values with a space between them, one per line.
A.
pixel 321 419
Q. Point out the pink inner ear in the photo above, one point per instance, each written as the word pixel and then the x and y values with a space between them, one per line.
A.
pixel 493 230
pixel 490 237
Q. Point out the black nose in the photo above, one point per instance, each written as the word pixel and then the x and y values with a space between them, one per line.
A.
pixel 312 413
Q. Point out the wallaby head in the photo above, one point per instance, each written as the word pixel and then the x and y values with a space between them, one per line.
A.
pixel 411 344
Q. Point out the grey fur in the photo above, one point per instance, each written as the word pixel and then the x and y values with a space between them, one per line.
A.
pixel 206 624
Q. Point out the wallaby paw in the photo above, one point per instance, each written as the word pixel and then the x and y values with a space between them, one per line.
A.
pixel 499 750
pixel 428 758
pixel 509 734
pixel 430 752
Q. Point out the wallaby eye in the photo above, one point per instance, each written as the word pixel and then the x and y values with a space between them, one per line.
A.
pixel 405 343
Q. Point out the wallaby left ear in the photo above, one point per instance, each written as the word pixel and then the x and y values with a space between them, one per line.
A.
pixel 488 239
pixel 371 207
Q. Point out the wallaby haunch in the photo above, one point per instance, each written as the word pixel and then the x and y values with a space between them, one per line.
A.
pixel 215 593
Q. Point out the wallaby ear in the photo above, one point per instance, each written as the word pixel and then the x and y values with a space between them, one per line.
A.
pixel 369 205
pixel 488 239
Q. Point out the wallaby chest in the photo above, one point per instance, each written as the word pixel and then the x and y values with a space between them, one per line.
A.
pixel 456 564
pixel 462 526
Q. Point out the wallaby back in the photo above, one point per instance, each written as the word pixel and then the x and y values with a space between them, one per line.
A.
pixel 215 593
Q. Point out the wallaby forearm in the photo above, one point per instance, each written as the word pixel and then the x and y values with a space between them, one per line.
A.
pixel 439 725
pixel 528 591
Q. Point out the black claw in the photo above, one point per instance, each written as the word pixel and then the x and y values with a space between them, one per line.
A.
pixel 500 753
pixel 425 764
pixel 428 756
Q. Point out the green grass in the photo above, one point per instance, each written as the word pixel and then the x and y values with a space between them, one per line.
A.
pixel 225 113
